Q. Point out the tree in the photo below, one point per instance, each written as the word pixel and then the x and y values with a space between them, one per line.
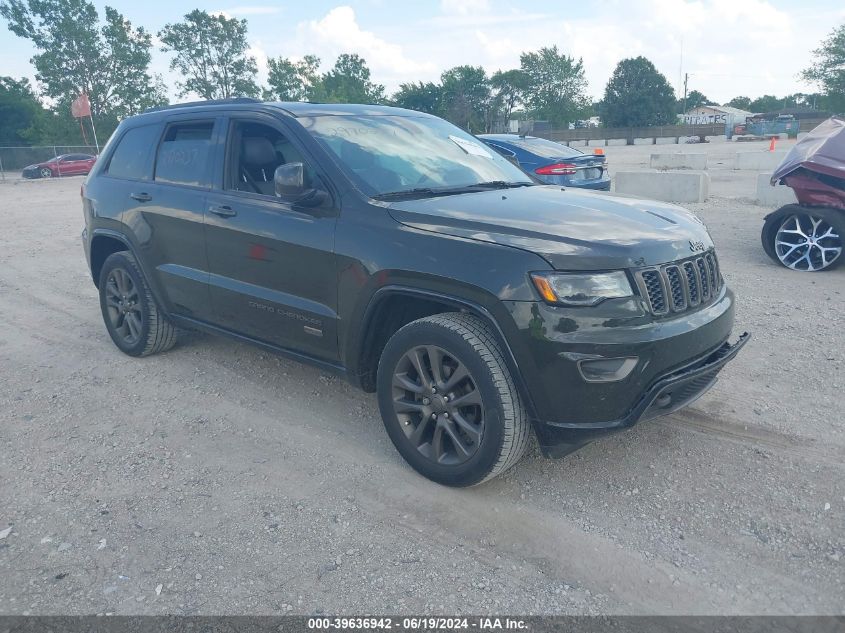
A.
pixel 555 86
pixel 695 99
pixel 769 103
pixel 211 55
pixel 349 82
pixel 637 95
pixel 509 91
pixel 743 103
pixel 828 69
pixel 293 81
pixel 423 97
pixel 466 97
pixel 109 62
pixel 19 111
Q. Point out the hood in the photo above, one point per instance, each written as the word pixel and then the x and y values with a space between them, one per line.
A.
pixel 571 229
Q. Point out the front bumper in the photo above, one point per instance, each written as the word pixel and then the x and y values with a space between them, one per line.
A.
pixel 669 393
pixel 568 410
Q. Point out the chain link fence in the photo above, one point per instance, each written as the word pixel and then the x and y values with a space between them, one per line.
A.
pixel 14 159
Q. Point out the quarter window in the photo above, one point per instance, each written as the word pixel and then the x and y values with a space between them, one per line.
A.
pixel 184 153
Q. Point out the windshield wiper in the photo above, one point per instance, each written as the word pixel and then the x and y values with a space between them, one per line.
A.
pixel 420 192
pixel 500 184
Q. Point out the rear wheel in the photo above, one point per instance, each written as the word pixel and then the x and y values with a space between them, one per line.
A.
pixel 448 401
pixel 808 239
pixel 132 318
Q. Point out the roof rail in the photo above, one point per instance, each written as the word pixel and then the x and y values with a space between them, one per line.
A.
pixel 191 104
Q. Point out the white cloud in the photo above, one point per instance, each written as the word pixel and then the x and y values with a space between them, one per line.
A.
pixel 464 7
pixel 729 48
pixel 338 32
pixel 257 51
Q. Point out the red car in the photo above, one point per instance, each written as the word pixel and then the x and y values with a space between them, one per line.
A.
pixel 64 165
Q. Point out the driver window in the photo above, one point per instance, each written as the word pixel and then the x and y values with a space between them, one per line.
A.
pixel 255 151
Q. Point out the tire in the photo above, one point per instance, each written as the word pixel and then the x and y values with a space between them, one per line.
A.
pixel 133 320
pixel 822 253
pixel 46 172
pixel 483 426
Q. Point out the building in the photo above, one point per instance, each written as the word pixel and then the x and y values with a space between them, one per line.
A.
pixel 709 114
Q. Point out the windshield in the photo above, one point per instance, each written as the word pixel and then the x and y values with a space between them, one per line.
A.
pixel 542 147
pixel 387 154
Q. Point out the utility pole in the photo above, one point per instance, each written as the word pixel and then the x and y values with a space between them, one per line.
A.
pixel 686 79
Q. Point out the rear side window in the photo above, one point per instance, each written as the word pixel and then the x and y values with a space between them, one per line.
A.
pixel 184 154
pixel 131 156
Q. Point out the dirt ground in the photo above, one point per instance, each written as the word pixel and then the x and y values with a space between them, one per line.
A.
pixel 218 479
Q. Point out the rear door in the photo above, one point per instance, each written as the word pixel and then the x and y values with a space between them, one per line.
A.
pixel 273 274
pixel 166 214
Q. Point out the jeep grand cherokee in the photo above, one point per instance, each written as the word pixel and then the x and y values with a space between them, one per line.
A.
pixel 393 248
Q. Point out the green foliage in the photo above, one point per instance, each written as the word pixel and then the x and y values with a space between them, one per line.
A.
pixel 637 95
pixel 743 103
pixel 19 111
pixel 75 53
pixel 210 53
pixel 294 81
pixel 509 88
pixel 349 82
pixel 767 103
pixel 828 69
pixel 555 86
pixel 466 97
pixel 423 97
pixel 695 99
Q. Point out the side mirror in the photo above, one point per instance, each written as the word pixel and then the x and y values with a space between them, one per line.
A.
pixel 289 182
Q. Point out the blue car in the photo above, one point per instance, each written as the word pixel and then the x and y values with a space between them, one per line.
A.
pixel 550 162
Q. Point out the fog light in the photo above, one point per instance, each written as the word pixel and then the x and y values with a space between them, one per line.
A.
pixel 607 369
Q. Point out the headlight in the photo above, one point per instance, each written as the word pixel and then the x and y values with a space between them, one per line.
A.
pixel 581 289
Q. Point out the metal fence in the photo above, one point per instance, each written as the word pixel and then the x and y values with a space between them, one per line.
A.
pixel 629 134
pixel 14 159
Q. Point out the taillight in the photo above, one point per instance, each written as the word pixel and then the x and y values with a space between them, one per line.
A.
pixel 558 169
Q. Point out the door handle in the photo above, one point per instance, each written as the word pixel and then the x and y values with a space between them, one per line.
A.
pixel 223 210
pixel 141 197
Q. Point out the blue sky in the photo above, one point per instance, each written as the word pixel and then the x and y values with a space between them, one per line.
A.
pixel 730 47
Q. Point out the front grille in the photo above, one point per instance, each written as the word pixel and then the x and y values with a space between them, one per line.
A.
pixel 680 286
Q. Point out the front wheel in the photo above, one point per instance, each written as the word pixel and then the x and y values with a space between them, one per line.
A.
pixel 448 401
pixel 808 239
pixel 46 172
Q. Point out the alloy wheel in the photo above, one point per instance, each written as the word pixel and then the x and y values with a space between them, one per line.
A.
pixel 438 405
pixel 806 242
pixel 123 306
pixel 46 173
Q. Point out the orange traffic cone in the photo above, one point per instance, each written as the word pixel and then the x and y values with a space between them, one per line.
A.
pixel 772 144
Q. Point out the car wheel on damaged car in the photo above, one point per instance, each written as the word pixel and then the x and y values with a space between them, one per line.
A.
pixel 808 239
pixel 395 249
pixel 809 236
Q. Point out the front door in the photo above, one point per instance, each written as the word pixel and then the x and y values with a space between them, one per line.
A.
pixel 273 275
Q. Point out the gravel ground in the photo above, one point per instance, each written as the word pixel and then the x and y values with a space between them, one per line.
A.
pixel 219 479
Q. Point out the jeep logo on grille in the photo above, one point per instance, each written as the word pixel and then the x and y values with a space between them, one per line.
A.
pixel 696 247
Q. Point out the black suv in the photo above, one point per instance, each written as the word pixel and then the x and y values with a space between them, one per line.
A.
pixel 393 248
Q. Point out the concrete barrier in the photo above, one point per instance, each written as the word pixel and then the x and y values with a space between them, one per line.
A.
pixel 774 197
pixel 677 160
pixel 669 186
pixel 758 161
